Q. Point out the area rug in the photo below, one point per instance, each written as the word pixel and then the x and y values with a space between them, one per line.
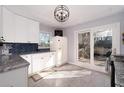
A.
pixel 67 68
pixel 68 74
pixel 38 76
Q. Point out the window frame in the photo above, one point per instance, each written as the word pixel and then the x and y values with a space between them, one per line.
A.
pixel 44 32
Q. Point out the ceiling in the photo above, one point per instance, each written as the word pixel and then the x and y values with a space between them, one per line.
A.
pixel 78 13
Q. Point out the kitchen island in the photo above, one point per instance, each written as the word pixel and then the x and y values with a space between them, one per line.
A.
pixel 13 71
pixel 119 70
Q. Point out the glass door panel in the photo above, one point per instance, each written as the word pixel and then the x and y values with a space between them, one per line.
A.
pixel 84 47
pixel 102 44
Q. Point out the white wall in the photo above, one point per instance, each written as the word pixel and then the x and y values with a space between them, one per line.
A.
pixel 69 32
pixel 48 29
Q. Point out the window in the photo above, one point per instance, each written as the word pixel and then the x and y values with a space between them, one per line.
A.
pixel 44 41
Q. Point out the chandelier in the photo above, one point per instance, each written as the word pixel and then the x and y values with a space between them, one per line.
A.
pixel 61 13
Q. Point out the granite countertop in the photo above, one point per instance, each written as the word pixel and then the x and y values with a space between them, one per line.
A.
pixel 118 55
pixel 11 62
pixel 119 58
pixel 36 52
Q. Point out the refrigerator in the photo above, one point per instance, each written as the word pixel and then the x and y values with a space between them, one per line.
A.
pixel 58 44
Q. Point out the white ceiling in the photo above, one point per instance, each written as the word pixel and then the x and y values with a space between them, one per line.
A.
pixel 78 13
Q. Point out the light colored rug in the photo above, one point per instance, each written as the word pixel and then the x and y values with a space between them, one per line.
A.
pixel 38 76
pixel 67 67
pixel 67 74
pixel 60 74
pixel 66 71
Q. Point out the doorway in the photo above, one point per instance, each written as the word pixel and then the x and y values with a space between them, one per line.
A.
pixel 102 44
pixel 84 47
pixel 92 44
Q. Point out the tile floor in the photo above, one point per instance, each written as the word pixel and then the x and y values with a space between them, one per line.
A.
pixel 71 76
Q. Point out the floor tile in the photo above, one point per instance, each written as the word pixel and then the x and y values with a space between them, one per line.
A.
pixel 72 76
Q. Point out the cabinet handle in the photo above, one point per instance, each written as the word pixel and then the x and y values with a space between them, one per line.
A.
pixel 2 38
pixel 42 58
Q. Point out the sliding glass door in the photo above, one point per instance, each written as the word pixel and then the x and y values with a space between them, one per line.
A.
pixel 84 47
pixel 93 46
pixel 102 44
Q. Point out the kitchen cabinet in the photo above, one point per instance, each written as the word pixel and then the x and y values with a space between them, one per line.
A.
pixel 21 31
pixel 17 29
pixel 39 61
pixel 28 58
pixel 32 31
pixel 8 26
pixel 14 78
pixel 0 22
pixel 27 31
pixel 43 61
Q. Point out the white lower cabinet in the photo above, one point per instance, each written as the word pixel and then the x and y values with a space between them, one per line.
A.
pixel 28 59
pixel 39 61
pixel 14 78
pixel 43 61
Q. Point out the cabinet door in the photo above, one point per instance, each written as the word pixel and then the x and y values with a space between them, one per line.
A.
pixel 32 31
pixel 1 21
pixel 41 61
pixel 47 60
pixel 50 60
pixel 14 78
pixel 8 26
pixel 35 62
pixel 28 58
pixel 21 30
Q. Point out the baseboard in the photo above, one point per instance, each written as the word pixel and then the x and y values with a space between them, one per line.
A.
pixel 61 64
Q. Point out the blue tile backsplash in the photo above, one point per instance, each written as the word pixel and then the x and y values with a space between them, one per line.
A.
pixel 20 48
pixel 23 48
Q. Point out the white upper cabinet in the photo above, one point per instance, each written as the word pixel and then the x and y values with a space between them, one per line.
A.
pixel 0 22
pixel 21 31
pixel 8 25
pixel 18 29
pixel 32 31
pixel 27 30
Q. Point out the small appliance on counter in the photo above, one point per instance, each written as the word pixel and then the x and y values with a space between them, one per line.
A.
pixel 5 49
